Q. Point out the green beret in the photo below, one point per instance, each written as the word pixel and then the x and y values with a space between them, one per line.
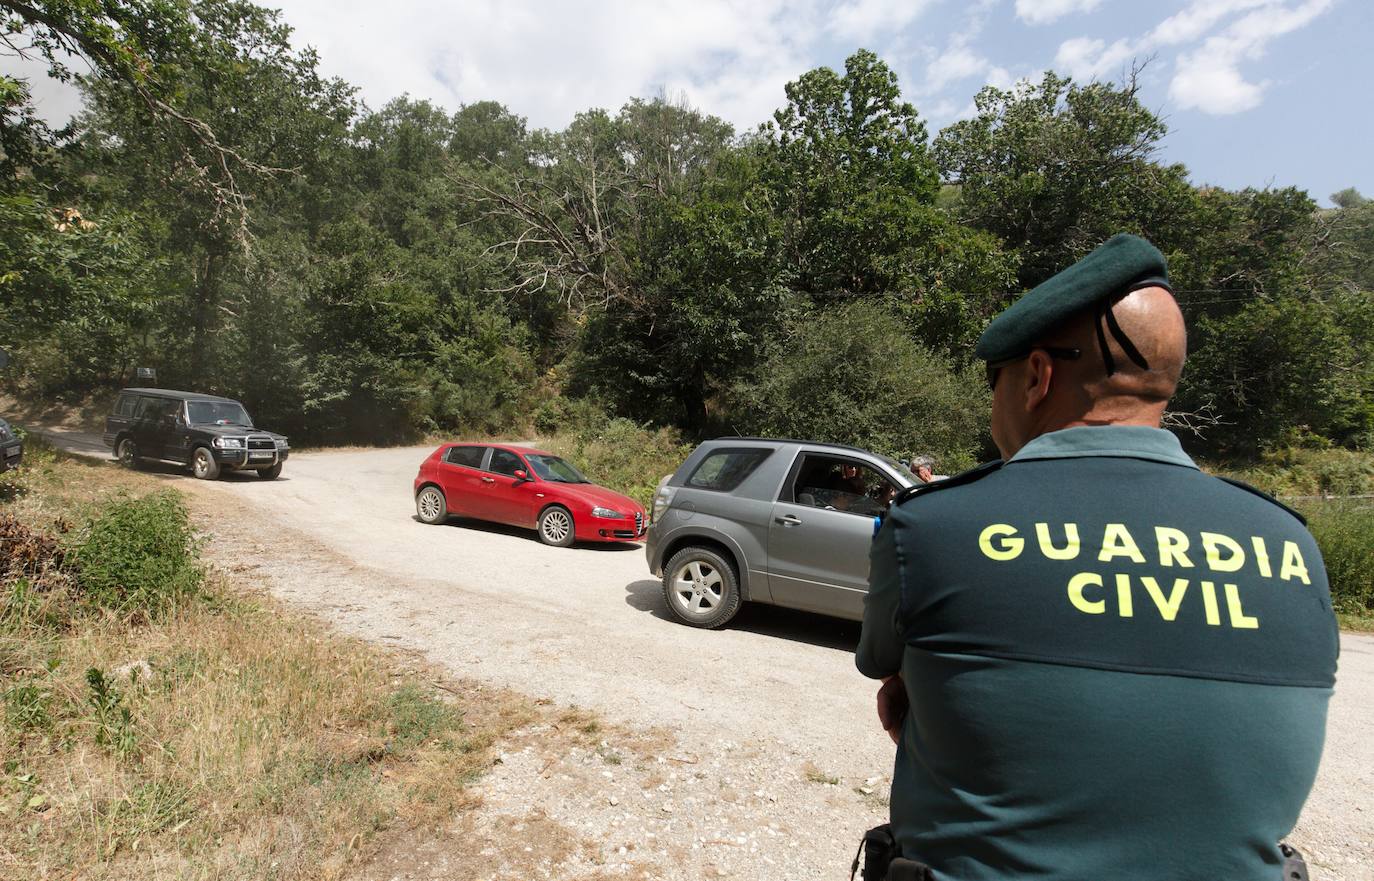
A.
pixel 1121 264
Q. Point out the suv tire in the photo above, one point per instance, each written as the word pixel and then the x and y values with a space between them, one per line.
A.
pixel 556 526
pixel 431 506
pixel 701 588
pixel 127 453
pixel 270 473
pixel 203 464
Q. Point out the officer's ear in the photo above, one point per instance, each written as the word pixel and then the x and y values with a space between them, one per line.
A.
pixel 1039 376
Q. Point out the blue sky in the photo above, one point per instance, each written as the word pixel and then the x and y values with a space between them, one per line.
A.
pixel 1255 92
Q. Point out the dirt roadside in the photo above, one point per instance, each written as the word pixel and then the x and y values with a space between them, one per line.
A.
pixel 744 753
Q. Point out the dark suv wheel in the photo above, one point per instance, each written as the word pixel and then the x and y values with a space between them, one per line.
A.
pixel 127 452
pixel 701 588
pixel 203 464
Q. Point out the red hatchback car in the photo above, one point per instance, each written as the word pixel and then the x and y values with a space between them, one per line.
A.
pixel 523 487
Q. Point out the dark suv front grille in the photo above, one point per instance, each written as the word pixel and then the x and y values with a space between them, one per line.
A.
pixel 261 443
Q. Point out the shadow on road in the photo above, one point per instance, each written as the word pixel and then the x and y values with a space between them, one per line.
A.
pixel 490 528
pixel 774 621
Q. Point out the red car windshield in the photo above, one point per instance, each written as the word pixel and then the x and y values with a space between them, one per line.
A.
pixel 556 470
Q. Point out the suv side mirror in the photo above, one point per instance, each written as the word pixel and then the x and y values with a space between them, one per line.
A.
pixel 521 475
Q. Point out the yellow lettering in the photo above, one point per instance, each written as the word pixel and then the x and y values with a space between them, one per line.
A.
pixel 1239 619
pixel 1293 563
pixel 1117 542
pixel 1070 549
pixel 1168 607
pixel 1082 604
pixel 1123 596
pixel 1209 602
pixel 1262 556
pixel 1173 543
pixel 1010 547
pixel 1215 543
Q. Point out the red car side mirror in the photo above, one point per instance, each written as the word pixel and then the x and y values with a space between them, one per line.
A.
pixel 521 475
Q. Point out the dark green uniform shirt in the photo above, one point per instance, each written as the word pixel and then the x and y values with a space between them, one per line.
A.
pixel 1118 666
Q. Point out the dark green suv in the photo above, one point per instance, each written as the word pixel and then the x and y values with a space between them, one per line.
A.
pixel 206 433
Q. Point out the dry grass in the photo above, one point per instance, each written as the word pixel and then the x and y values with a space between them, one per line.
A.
pixel 227 739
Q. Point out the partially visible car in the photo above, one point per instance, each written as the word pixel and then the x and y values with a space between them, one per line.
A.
pixel 206 433
pixel 519 486
pixel 11 447
pixel 783 522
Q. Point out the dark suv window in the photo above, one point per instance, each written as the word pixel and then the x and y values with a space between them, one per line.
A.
pixel 503 462
pixel 724 470
pixel 125 405
pixel 470 457
pixel 155 408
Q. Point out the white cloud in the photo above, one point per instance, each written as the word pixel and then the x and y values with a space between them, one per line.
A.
pixel 1046 11
pixel 865 20
pixel 548 61
pixel 1209 78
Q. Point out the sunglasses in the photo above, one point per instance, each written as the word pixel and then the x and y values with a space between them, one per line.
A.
pixel 995 367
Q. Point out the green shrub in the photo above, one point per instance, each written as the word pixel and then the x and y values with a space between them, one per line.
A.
pixel 853 375
pixel 618 453
pixel 138 558
pixel 1343 530
pixel 1307 470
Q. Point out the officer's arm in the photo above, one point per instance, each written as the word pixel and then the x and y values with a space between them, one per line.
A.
pixel 880 645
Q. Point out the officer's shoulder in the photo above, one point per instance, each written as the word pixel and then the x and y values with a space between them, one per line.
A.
pixel 1262 494
pixel 963 478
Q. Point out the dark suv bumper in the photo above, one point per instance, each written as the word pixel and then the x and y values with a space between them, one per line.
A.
pixel 11 454
pixel 236 459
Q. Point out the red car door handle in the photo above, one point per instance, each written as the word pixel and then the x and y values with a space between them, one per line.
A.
pixel 488 479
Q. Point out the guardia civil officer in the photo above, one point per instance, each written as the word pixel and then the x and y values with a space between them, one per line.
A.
pixel 1116 666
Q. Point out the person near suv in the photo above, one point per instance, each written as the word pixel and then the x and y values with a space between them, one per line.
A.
pixel 205 433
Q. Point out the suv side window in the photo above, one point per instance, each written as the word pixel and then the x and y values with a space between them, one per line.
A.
pixel 469 457
pixel 504 462
pixel 839 483
pixel 154 408
pixel 125 405
pixel 723 470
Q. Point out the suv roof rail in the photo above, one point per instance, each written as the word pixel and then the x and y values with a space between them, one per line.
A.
pixel 793 440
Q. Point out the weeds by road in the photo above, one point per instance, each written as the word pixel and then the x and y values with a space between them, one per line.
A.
pixel 159 722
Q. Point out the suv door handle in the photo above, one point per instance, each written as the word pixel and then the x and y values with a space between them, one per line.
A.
pixel 789 520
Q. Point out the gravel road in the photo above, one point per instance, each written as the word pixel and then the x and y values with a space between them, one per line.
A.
pixel 773 740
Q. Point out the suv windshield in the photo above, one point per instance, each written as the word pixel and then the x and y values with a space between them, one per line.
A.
pixel 554 469
pixel 218 412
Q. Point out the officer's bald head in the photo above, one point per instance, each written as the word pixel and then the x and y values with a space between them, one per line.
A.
pixel 1149 321
pixel 1109 383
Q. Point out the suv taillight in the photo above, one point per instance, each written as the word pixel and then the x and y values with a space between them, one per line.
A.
pixel 663 496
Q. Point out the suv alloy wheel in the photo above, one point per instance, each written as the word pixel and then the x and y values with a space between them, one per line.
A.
pixel 701 588
pixel 203 464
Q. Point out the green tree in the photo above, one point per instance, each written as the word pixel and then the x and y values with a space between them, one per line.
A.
pixel 854 186
pixel 1055 168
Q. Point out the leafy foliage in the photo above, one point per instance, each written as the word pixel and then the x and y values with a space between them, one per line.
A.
pixel 225 213
pixel 853 375
pixel 138 558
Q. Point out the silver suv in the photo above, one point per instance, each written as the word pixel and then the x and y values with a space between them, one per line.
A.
pixel 784 522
